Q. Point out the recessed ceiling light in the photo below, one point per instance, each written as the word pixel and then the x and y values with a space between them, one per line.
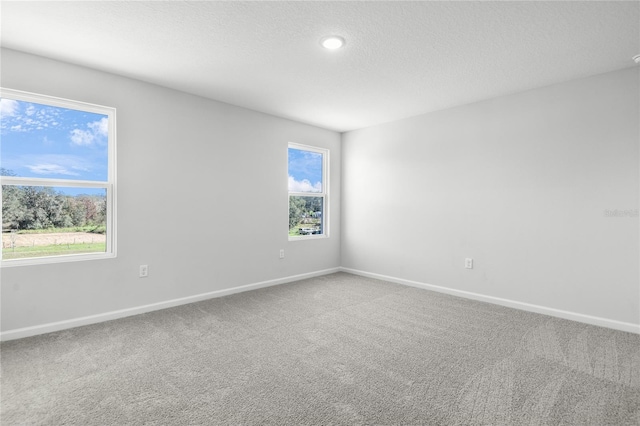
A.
pixel 332 42
pixel 637 59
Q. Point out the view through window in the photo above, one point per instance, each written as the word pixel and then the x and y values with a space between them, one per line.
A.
pixel 57 173
pixel 307 191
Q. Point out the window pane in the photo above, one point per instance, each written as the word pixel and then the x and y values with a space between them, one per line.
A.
pixel 305 171
pixel 47 141
pixel 51 221
pixel 305 215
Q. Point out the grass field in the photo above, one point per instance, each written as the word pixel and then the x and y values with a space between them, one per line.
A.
pixel 23 245
pixel 95 229
pixel 52 250
pixel 294 231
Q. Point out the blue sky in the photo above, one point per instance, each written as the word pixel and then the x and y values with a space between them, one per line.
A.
pixel 305 171
pixel 51 142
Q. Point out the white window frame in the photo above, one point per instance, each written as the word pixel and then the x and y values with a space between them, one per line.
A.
pixel 109 185
pixel 324 194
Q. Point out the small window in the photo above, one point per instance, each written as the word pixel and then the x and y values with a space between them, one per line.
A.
pixel 57 169
pixel 308 183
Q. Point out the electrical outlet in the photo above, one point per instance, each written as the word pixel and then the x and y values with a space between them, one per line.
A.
pixel 468 263
pixel 281 253
pixel 144 271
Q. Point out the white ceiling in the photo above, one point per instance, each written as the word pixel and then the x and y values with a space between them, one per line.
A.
pixel 401 58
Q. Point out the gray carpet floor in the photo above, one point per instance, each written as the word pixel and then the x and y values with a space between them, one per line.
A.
pixel 333 350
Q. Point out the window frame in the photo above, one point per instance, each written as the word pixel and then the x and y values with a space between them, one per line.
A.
pixel 109 185
pixel 324 194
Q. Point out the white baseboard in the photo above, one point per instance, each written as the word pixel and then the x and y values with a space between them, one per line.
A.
pixel 107 316
pixel 573 316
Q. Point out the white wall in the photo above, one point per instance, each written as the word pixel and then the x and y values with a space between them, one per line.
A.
pixel 520 184
pixel 202 199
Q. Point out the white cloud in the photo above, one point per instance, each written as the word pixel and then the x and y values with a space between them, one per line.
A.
pixel 96 132
pixel 51 169
pixel 8 107
pixel 100 127
pixel 304 185
pixel 20 116
pixel 82 137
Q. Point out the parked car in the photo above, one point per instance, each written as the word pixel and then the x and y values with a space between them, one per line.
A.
pixel 308 231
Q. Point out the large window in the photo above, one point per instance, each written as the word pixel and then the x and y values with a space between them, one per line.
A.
pixel 57 169
pixel 308 183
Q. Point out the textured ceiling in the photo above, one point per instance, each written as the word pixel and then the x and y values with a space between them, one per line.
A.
pixel 401 58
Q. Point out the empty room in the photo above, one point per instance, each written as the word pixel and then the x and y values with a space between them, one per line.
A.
pixel 320 213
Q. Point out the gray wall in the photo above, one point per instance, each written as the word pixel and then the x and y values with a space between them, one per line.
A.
pixel 519 183
pixel 202 199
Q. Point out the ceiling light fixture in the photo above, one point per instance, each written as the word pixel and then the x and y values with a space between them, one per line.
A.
pixel 637 59
pixel 332 42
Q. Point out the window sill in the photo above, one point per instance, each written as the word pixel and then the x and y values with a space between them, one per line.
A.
pixel 55 259
pixel 307 237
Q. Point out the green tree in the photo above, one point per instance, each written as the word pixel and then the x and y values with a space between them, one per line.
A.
pixel 39 204
pixel 297 211
pixel 42 207
pixel 12 206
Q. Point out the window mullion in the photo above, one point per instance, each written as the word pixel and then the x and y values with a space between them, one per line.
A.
pixel 25 181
